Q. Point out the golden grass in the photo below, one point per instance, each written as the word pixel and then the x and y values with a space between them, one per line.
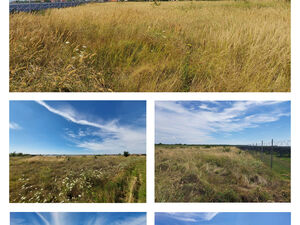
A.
pixel 176 46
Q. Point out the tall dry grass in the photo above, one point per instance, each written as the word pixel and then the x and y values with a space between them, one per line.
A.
pixel 176 46
pixel 218 174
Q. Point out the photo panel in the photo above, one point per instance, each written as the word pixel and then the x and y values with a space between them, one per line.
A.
pixel 77 152
pixel 190 46
pixel 78 218
pixel 222 218
pixel 222 151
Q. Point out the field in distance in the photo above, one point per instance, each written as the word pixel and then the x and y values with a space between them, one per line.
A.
pixel 91 179
pixel 219 174
pixel 175 46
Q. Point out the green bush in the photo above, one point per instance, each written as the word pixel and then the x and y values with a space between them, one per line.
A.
pixel 226 149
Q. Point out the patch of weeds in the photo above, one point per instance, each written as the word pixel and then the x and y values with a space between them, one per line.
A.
pixel 189 178
pixel 228 196
pixel 163 166
pixel 262 196
pixel 187 73
pixel 226 149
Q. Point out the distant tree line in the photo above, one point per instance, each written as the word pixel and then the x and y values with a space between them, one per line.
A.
pixel 14 154
pixel 125 153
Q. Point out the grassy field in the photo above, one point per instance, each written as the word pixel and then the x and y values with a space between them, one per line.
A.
pixel 78 179
pixel 219 174
pixel 176 46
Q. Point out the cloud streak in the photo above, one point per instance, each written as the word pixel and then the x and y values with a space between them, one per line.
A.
pixel 141 220
pixel 99 136
pixel 190 217
pixel 14 126
pixel 45 221
pixel 180 122
pixel 72 116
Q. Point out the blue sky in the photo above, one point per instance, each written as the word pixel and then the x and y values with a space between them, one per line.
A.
pixel 212 218
pixel 77 127
pixel 77 218
pixel 222 122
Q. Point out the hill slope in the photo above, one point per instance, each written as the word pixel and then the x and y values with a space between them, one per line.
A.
pixel 218 174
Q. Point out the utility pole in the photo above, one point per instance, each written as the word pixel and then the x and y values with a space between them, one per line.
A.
pixel 272 154
pixel 262 150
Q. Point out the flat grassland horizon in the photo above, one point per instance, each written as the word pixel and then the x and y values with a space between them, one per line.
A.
pixel 219 174
pixel 217 46
pixel 77 179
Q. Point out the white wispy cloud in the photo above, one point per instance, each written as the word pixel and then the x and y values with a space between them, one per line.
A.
pixel 192 217
pixel 16 221
pixel 45 221
pixel 98 220
pixel 141 220
pixel 70 114
pixel 14 126
pixel 59 218
pixel 108 136
pixel 101 220
pixel 176 123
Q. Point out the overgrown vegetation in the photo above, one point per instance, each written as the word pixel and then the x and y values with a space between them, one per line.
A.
pixel 77 179
pixel 219 174
pixel 176 46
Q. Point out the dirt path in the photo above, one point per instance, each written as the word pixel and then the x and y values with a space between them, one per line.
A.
pixel 131 189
